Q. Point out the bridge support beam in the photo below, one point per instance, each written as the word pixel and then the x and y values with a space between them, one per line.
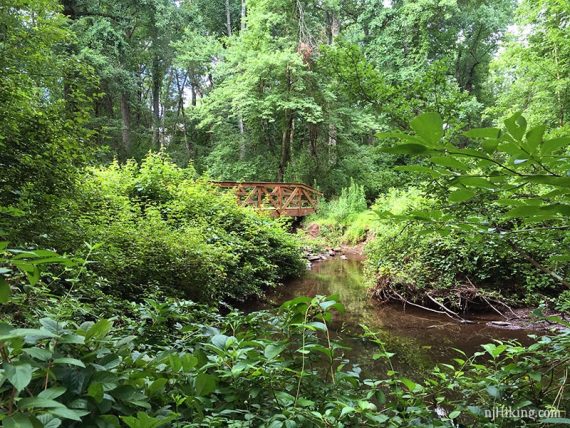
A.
pixel 280 199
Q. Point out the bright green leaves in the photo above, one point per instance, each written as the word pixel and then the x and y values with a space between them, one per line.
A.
pixel 429 127
pixel 19 376
pixel 494 162
pixel 534 138
pixel 5 290
pixel 450 162
pixel 27 262
pixel 205 384
pixel 429 132
pixel 407 149
pixel 495 350
pixel 273 350
pixel 461 195
pixel 483 133
pixel 516 126
pixel 99 330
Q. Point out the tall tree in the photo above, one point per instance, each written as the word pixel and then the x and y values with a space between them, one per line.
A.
pixel 533 71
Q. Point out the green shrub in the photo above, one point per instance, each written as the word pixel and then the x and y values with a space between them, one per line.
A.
pixel 351 201
pixel 161 226
pixel 170 362
pixel 416 260
pixel 338 216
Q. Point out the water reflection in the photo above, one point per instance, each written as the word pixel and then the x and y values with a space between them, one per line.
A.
pixel 418 338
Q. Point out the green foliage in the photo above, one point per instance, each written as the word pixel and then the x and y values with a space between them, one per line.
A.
pixel 345 219
pixel 497 211
pixel 170 362
pixel 417 260
pixel 43 109
pixel 158 225
pixel 531 74
pixel 351 201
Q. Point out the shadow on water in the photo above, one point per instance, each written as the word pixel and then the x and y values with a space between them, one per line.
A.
pixel 418 338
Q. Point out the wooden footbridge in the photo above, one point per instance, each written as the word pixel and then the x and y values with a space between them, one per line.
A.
pixel 280 199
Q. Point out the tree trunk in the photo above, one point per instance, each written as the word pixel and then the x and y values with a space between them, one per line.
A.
pixel 313 138
pixel 242 149
pixel 285 145
pixel 333 31
pixel 333 26
pixel 228 19
pixel 194 93
pixel 126 129
pixel 242 15
pixel 332 144
pixel 156 78
pixel 182 113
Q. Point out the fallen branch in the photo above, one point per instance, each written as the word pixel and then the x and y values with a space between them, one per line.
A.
pixel 403 299
pixel 441 305
pixel 495 309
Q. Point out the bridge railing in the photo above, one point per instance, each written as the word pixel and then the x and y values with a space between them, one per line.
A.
pixel 289 199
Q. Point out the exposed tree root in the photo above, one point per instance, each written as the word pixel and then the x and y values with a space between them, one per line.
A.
pixel 464 297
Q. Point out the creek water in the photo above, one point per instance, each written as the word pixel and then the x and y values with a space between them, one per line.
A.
pixel 418 338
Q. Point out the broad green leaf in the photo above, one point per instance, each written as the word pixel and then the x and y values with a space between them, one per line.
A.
pixel 49 421
pixel 410 384
pixel 461 195
pixel 428 126
pixel 220 340
pixel 52 393
pixel 99 330
pixel 547 179
pixel 449 162
pixel 205 384
pixel 516 125
pixel 97 391
pixel 70 361
pixel 271 350
pixel 5 290
pixel 401 136
pixel 38 403
pixel 493 391
pixel 17 421
pixel 550 146
pixel 56 327
pixel 19 376
pixel 483 133
pixel 512 149
pixel 406 149
pixel 475 182
pixel 65 413
pixel 534 138
pixel 454 414
pixel 157 386
pixel 490 145
pixel 38 353
pixel 318 325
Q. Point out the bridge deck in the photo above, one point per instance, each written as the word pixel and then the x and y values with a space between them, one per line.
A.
pixel 281 199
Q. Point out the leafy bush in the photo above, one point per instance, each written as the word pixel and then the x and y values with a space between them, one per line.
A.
pixel 416 260
pixel 498 216
pixel 351 201
pixel 347 213
pixel 159 226
pixel 170 362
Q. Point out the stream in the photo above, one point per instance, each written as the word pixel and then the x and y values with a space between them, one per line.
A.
pixel 418 338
